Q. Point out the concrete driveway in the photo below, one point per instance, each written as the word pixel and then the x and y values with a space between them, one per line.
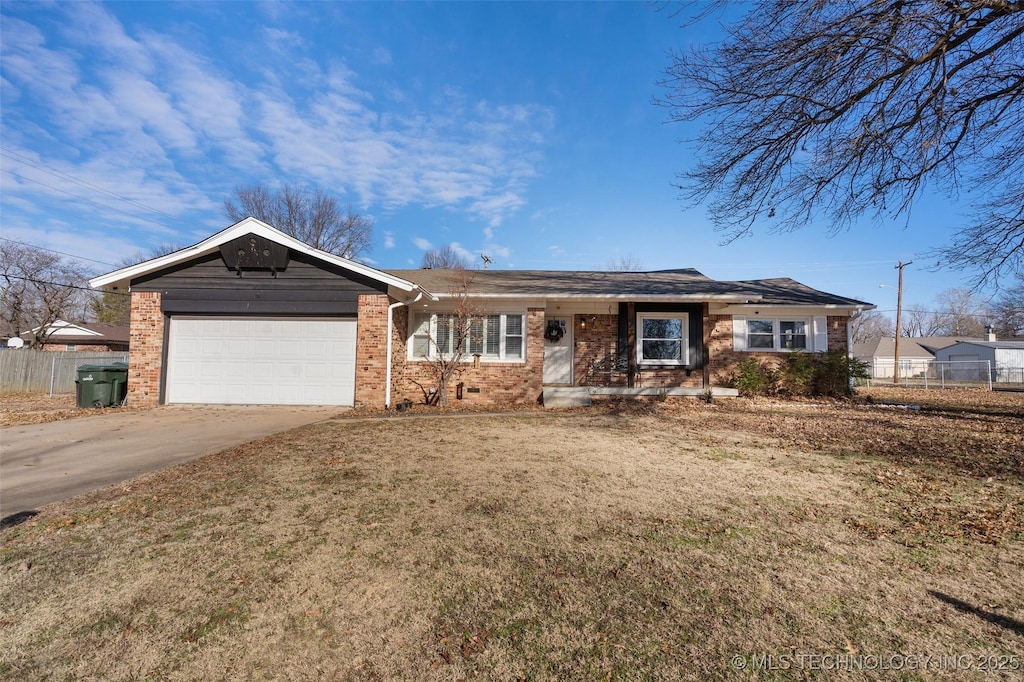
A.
pixel 44 463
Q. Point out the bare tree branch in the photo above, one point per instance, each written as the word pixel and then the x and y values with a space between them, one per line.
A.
pixel 310 215
pixel 850 108
pixel 39 288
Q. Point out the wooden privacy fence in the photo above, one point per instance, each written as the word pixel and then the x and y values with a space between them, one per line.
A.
pixel 40 371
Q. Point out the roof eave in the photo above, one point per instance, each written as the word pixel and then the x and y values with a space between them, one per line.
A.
pixel 600 297
pixel 248 225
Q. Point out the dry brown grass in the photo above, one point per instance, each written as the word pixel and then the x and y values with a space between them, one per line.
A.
pixel 632 541
pixel 19 409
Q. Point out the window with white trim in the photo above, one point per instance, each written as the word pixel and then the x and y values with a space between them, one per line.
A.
pixel 492 337
pixel 777 334
pixel 662 339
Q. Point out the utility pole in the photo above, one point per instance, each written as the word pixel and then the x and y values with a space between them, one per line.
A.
pixel 899 320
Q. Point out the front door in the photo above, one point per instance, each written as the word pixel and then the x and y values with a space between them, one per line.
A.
pixel 558 350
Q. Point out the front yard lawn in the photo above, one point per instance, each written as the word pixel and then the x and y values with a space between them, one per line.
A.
pixel 636 540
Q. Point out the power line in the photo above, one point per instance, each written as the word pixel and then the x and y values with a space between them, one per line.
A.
pixel 59 284
pixel 69 255
pixel 81 198
pixel 70 178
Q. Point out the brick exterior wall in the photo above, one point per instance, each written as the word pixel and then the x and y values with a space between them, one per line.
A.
pixel 596 348
pixel 724 361
pixel 500 383
pixel 371 349
pixel 595 351
pixel 147 346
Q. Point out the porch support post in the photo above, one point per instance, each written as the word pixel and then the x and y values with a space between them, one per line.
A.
pixel 631 344
pixel 705 353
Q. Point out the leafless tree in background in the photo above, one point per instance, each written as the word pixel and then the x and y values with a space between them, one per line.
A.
pixel 870 325
pixel 114 307
pixel 626 263
pixel 1008 312
pixel 848 108
pixel 444 258
pixel 310 215
pixel 39 288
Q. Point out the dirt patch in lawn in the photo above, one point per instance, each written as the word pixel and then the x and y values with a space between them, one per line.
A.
pixel 634 541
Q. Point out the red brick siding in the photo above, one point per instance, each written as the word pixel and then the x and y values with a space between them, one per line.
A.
pixel 371 349
pixel 147 345
pixel 724 361
pixel 597 344
pixel 500 383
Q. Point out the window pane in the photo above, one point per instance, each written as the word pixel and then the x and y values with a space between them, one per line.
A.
pixel 476 337
pixel 759 326
pixel 513 348
pixel 444 334
pixel 662 350
pixel 514 325
pixel 493 336
pixel 793 334
pixel 668 328
pixel 760 334
pixel 421 323
pixel 420 346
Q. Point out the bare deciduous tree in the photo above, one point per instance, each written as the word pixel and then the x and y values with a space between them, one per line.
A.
pixel 310 215
pixel 850 108
pixel 870 325
pixel 1008 312
pixel 447 339
pixel 625 263
pixel 961 313
pixel 444 258
pixel 114 307
pixel 39 288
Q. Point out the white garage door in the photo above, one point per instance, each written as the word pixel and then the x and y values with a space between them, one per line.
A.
pixel 261 361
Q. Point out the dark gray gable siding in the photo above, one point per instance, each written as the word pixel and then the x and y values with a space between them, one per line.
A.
pixel 307 286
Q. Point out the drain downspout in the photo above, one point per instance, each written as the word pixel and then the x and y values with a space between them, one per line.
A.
pixel 391 325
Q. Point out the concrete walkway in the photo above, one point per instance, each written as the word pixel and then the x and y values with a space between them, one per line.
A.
pixel 44 463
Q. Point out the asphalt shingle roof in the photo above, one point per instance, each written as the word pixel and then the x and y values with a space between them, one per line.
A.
pixel 662 284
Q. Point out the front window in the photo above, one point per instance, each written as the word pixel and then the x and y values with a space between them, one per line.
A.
pixel 774 334
pixel 492 337
pixel 662 339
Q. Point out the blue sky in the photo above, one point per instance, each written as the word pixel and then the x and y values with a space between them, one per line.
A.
pixel 525 131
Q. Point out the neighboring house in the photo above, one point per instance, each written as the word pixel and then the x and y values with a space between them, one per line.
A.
pixel 1005 358
pixel 251 315
pixel 68 336
pixel 916 354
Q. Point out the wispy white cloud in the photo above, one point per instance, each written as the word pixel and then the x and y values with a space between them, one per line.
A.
pixel 422 243
pixel 389 240
pixel 146 115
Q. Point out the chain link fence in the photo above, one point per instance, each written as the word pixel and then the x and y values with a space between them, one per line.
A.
pixel 935 374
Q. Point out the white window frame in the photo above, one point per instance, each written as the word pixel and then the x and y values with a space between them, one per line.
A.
pixel 684 340
pixel 815 333
pixel 468 355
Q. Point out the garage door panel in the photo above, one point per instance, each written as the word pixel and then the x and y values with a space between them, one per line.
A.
pixel 261 361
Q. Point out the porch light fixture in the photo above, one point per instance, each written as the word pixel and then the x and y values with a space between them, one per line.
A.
pixel 583 322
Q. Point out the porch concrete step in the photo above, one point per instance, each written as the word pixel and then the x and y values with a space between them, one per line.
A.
pixel 566 396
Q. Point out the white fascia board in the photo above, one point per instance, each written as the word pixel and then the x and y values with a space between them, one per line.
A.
pixel 684 298
pixel 782 307
pixel 240 229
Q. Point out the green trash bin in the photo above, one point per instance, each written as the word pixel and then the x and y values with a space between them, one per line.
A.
pixel 101 385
